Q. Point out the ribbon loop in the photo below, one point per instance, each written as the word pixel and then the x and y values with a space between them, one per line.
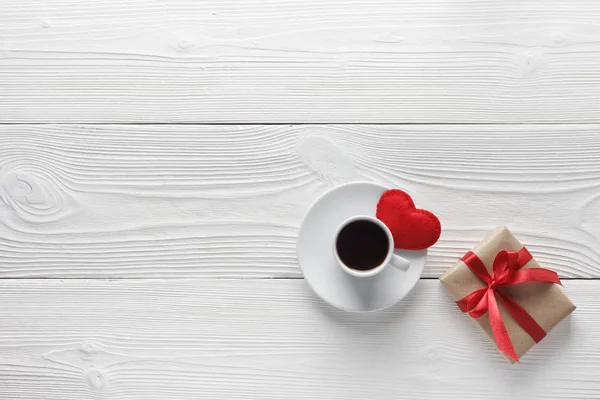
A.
pixel 506 271
pixel 477 266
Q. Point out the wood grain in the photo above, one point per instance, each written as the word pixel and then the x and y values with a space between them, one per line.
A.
pixel 258 339
pixel 424 61
pixel 118 201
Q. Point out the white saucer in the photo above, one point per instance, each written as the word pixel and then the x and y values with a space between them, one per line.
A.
pixel 315 253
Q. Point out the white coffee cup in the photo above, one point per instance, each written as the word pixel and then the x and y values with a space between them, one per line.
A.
pixel 390 259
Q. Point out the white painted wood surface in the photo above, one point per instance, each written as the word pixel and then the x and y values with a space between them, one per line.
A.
pixel 286 61
pixel 157 261
pixel 271 339
pixel 226 201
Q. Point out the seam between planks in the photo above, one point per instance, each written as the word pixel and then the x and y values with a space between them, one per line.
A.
pixel 302 123
pixel 210 278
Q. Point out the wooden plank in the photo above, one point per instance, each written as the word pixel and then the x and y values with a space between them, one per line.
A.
pixel 300 61
pixel 257 339
pixel 226 201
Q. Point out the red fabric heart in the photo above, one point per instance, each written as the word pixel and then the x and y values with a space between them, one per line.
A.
pixel 412 228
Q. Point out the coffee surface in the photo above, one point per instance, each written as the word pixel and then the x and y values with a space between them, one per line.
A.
pixel 362 245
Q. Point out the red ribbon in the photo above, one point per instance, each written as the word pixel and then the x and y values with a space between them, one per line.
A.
pixel 506 271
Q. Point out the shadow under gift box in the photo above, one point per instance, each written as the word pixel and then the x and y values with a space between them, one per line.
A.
pixel 545 302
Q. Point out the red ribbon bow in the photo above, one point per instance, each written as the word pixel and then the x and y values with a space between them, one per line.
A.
pixel 505 272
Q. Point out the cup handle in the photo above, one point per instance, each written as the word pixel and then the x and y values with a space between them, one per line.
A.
pixel 399 262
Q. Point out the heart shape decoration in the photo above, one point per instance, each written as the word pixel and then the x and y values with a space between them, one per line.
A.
pixel 412 228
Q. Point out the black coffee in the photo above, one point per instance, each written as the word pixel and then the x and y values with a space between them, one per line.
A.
pixel 362 245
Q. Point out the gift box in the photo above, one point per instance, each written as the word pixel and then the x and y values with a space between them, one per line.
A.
pixel 507 294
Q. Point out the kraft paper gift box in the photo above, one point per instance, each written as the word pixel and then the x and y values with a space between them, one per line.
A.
pixel 544 302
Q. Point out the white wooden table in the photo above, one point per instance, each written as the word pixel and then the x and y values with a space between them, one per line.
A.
pixel 156 158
